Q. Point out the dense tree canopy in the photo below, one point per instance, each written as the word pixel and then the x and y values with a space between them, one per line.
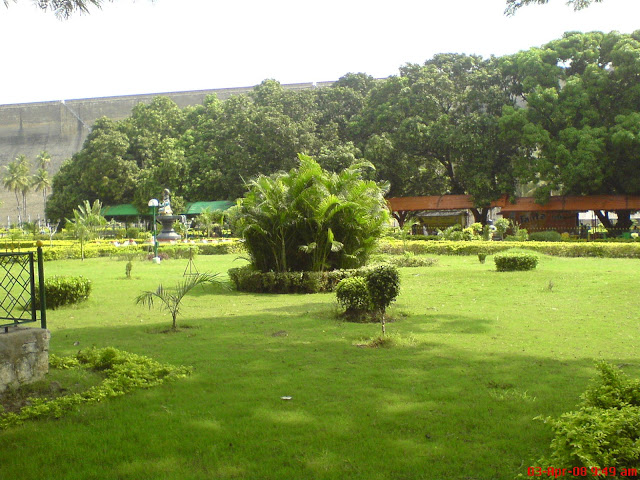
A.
pixel 582 94
pixel 564 117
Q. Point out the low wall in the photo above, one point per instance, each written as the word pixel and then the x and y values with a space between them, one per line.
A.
pixel 24 356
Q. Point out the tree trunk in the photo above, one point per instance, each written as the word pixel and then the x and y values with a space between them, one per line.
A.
pixel 603 216
pixel 480 215
pixel 624 220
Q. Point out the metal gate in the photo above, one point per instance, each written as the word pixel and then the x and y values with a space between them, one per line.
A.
pixel 18 289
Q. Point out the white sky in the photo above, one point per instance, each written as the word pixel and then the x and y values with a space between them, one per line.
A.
pixel 132 47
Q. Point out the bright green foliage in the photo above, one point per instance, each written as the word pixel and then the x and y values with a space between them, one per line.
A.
pixel 352 295
pixel 383 283
pixel 511 262
pixel 605 431
pixel 123 371
pixel 64 290
pixel 87 219
pixel 310 219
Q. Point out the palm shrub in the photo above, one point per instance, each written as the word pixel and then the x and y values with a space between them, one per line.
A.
pixel 309 219
pixel 171 299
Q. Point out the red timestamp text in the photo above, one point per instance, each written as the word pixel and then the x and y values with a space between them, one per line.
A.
pixel 581 472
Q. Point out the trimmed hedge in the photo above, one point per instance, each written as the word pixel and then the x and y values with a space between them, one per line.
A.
pixel 247 279
pixel 178 250
pixel 512 262
pixel 64 290
pixel 558 249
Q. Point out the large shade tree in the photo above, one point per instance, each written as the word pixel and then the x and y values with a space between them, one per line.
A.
pixel 436 129
pixel 582 96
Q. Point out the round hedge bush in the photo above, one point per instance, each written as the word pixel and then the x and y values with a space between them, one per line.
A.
pixel 353 295
pixel 383 283
pixel 64 290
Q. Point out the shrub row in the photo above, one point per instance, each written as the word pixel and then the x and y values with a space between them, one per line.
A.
pixel 559 249
pixel 247 279
pixel 512 262
pixel 72 251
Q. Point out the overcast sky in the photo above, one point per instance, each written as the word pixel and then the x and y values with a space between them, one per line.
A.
pixel 133 47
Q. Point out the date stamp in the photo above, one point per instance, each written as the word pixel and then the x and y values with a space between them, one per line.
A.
pixel 582 472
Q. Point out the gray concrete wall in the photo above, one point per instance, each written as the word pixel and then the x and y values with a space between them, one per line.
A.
pixel 24 356
pixel 61 127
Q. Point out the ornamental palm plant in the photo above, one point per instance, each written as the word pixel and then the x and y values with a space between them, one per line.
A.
pixel 310 219
pixel 171 300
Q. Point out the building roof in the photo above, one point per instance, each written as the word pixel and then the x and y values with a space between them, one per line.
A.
pixel 123 210
pixel 197 208
pixel 521 204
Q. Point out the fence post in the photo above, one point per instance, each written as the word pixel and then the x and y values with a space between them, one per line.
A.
pixel 43 298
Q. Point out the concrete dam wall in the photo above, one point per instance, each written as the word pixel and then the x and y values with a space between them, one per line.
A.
pixel 61 127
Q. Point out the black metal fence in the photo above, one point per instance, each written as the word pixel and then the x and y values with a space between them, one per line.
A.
pixel 18 288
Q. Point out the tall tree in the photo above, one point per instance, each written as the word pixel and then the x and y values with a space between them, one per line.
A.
pixel 41 182
pixel 582 95
pixel 43 159
pixel 441 121
pixel 17 180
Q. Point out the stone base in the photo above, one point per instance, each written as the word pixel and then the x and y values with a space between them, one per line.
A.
pixel 24 356
pixel 168 234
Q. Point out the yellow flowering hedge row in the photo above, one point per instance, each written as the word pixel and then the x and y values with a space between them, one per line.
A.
pixel 559 249
pixel 71 250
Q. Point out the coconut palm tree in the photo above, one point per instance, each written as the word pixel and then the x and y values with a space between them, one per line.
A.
pixel 17 180
pixel 171 300
pixel 41 183
pixel 43 159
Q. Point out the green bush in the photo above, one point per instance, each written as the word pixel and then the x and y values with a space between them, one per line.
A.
pixel 383 283
pixel 511 262
pixel 247 279
pixel 133 232
pixel 64 290
pixel 547 236
pixel 352 295
pixel 604 431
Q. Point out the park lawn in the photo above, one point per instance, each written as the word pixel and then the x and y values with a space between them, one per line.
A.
pixel 479 355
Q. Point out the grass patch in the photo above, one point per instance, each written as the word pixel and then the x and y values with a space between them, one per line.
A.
pixel 491 353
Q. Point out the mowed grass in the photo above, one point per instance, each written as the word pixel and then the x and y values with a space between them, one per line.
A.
pixel 480 354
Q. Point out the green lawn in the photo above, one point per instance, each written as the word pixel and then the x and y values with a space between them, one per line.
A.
pixel 482 353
